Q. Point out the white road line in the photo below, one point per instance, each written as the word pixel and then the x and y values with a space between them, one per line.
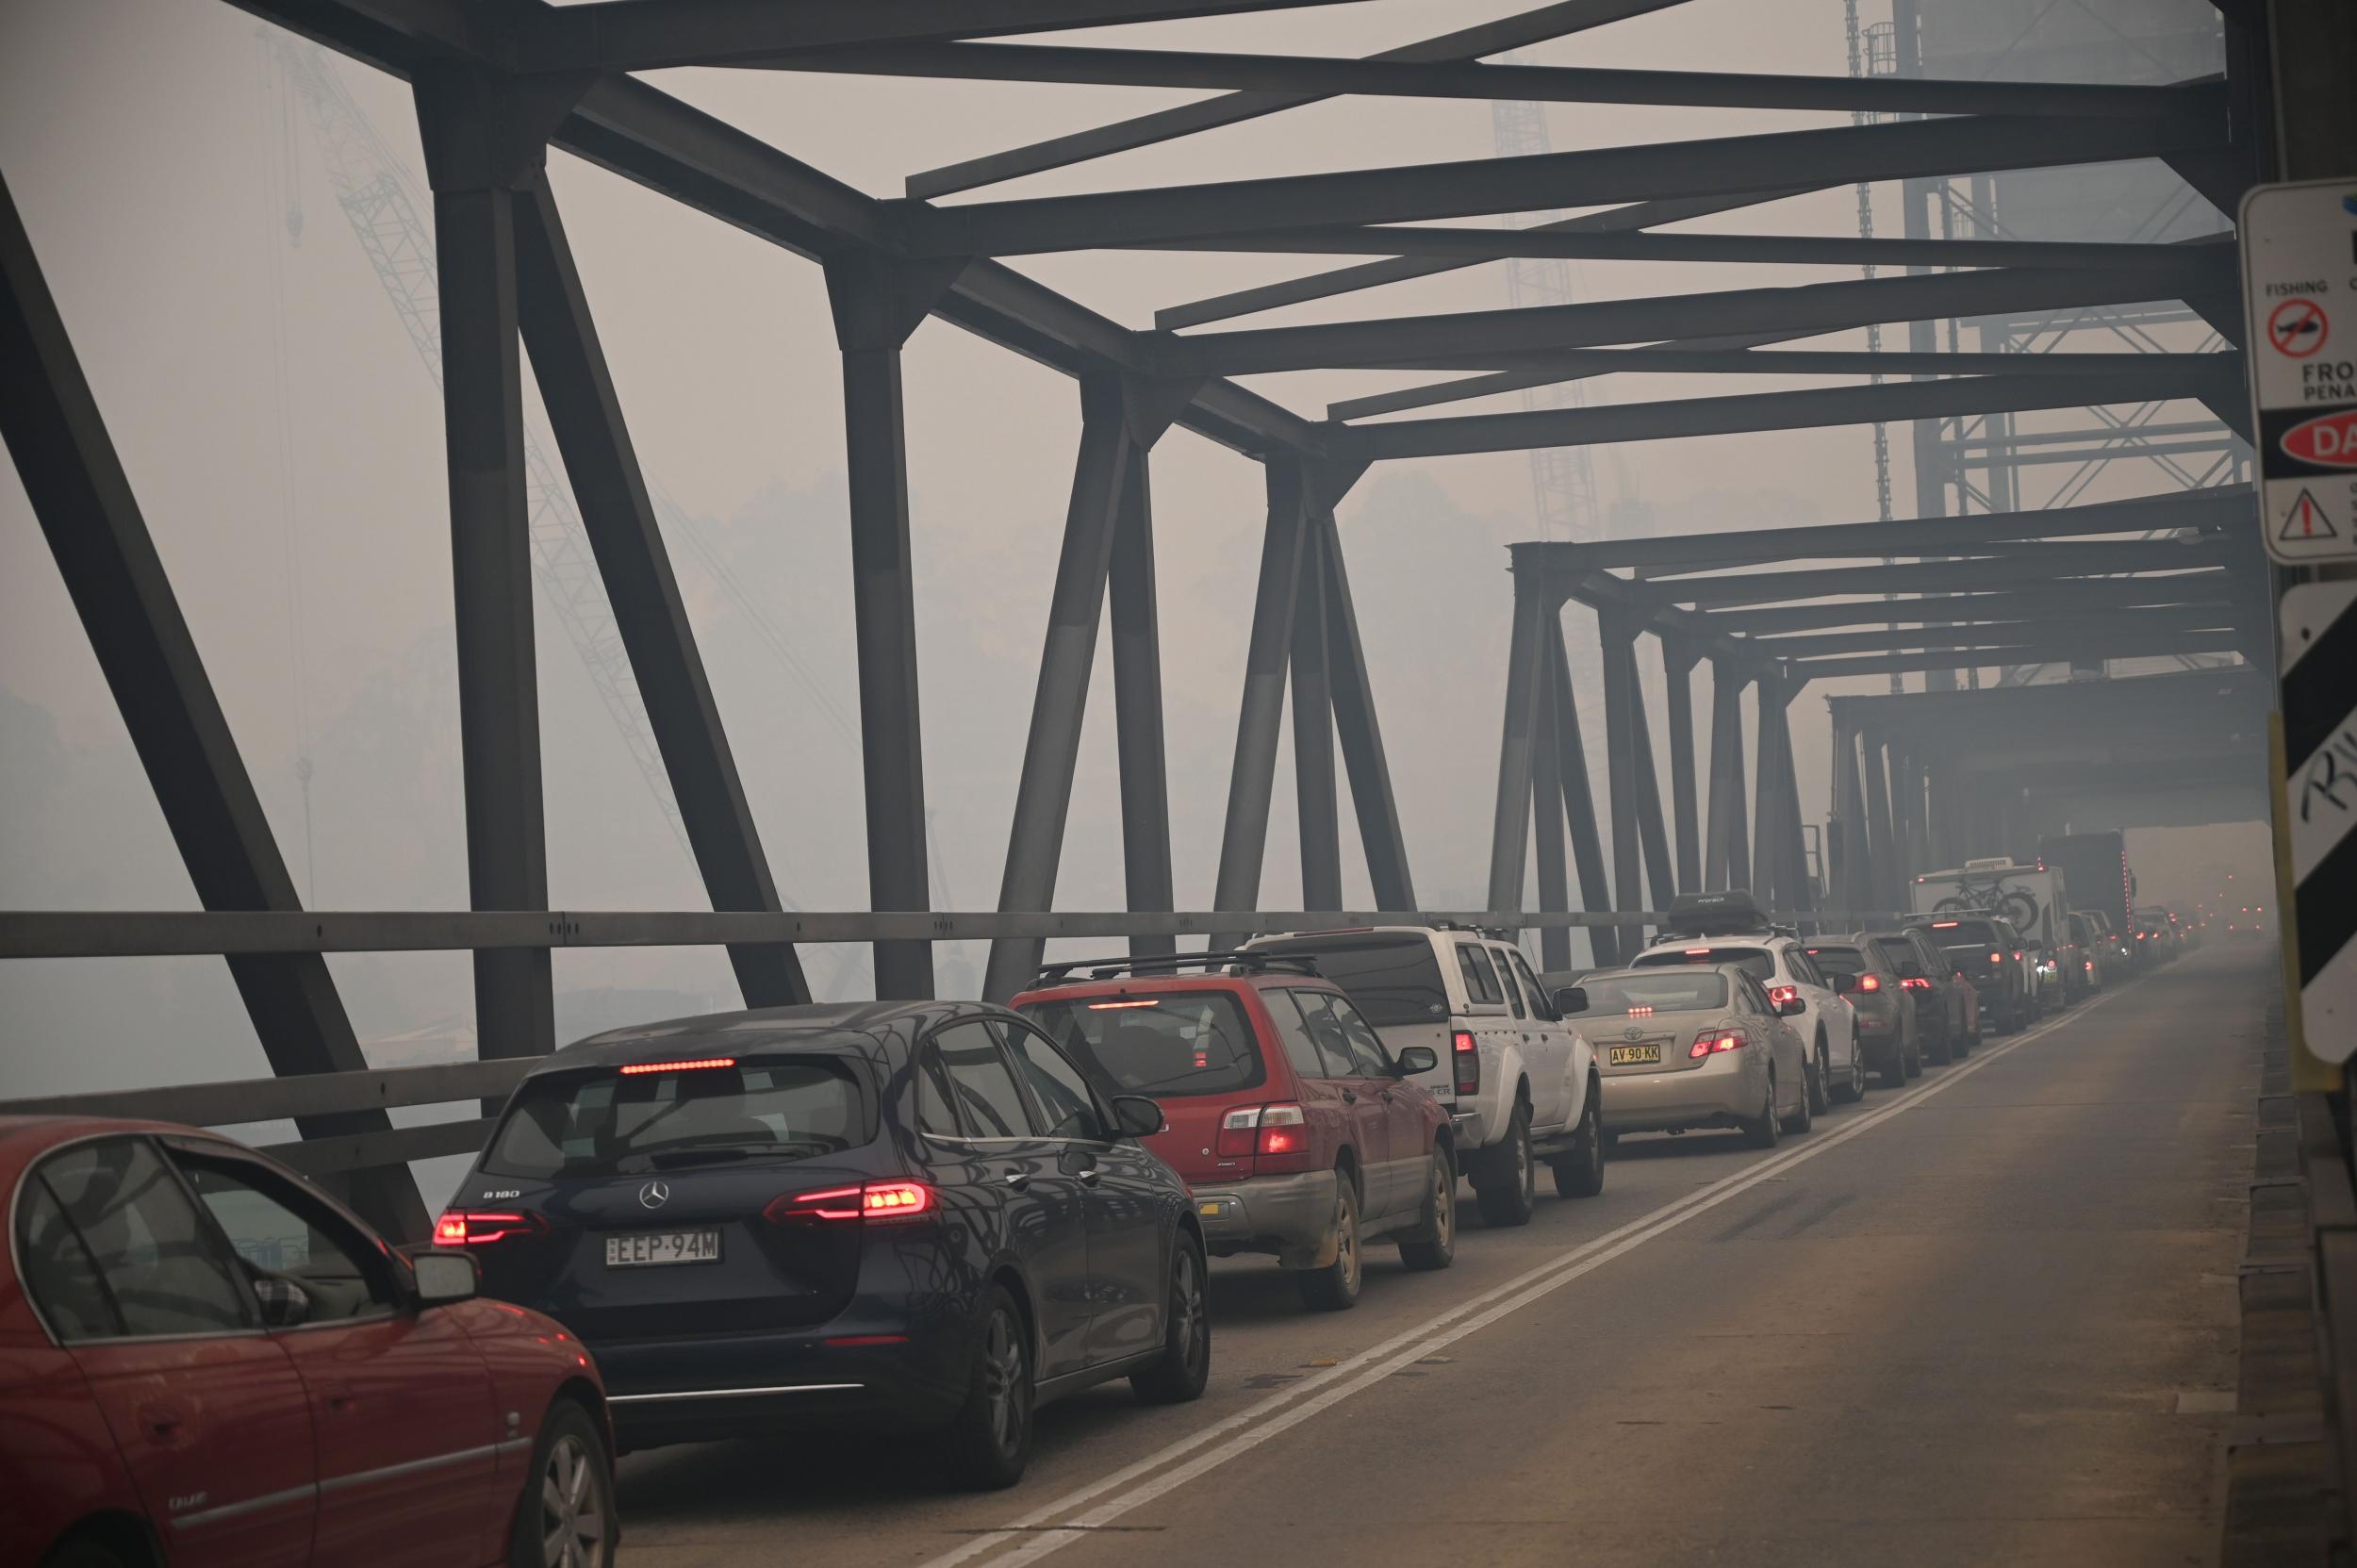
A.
pixel 1040 1531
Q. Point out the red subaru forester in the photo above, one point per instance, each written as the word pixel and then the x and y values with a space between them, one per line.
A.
pixel 205 1362
pixel 1300 1136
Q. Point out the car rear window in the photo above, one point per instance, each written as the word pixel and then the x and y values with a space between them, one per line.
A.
pixel 1175 1044
pixel 1681 989
pixel 1394 978
pixel 1755 962
pixel 1948 936
pixel 1899 953
pixel 602 1122
pixel 1839 961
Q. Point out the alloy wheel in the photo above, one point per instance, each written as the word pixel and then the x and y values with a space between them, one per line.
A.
pixel 1003 1382
pixel 1189 1321
pixel 572 1507
pixel 1346 1239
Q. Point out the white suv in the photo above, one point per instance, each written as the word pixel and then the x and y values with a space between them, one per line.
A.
pixel 1729 928
pixel 1520 1082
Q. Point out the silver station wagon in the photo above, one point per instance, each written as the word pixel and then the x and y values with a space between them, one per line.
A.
pixel 1693 1047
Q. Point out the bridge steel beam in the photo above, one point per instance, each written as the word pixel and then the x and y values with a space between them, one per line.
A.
pixel 2215 590
pixel 1793 862
pixel 577 387
pixel 1133 607
pixel 1381 836
pixel 1252 775
pixel 1629 761
pixel 1546 775
pixel 1846 841
pixel 2050 652
pixel 1727 858
pixel 1526 681
pixel 1075 610
pixel 483 146
pixel 1720 166
pixel 1579 800
pixel 1882 857
pixel 83 501
pixel 1653 831
pixel 1679 658
pixel 876 306
pixel 1319 818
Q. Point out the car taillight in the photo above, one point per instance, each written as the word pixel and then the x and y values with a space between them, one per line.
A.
pixel 701 1063
pixel 479 1227
pixel 1253 1130
pixel 1870 982
pixel 2017 957
pixel 1712 1041
pixel 1916 983
pixel 877 1202
pixel 1468 1054
pixel 1779 994
pixel 1999 958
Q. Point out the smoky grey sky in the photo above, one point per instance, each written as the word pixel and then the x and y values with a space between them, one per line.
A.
pixel 286 444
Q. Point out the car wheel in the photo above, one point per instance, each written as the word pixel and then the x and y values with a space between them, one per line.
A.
pixel 1802 1117
pixel 1512 1192
pixel 1762 1131
pixel 565 1518
pixel 1893 1072
pixel 1580 1173
pixel 1335 1287
pixel 989 1440
pixel 83 1551
pixel 1820 1081
pixel 1960 1044
pixel 1185 1364
pixel 1937 1051
pixel 1914 1059
pixel 1853 1088
pixel 1435 1246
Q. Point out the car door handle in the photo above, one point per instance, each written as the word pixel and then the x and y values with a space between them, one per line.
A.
pixel 1349 1098
pixel 1088 1175
pixel 338 1396
pixel 159 1421
pixel 1019 1180
pixel 1387 1097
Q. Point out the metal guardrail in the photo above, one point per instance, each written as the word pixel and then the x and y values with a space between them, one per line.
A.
pixel 148 934
pixel 152 934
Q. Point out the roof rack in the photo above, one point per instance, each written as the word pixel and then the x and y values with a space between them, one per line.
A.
pixel 1729 913
pixel 1249 961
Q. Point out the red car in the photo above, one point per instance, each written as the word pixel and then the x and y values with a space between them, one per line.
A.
pixel 1299 1132
pixel 205 1362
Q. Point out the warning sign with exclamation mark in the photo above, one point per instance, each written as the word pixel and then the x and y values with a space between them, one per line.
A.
pixel 2305 520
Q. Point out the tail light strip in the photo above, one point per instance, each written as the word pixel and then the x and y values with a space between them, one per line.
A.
pixel 876 1202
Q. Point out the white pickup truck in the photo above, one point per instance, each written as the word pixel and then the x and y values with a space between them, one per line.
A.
pixel 1520 1083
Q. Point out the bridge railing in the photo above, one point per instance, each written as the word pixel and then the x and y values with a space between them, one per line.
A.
pixel 249 1101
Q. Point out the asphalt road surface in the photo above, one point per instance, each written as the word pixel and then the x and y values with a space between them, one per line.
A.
pixel 1987 1319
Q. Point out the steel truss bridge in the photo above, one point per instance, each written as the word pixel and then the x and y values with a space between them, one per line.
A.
pixel 496 85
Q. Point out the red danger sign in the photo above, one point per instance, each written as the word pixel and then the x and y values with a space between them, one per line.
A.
pixel 2329 440
pixel 2296 328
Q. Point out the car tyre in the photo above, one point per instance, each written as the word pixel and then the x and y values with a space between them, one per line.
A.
pixel 1804 1116
pixel 1821 1081
pixel 1852 1089
pixel 1580 1173
pixel 1512 1193
pixel 1335 1287
pixel 1763 1130
pixel 1179 1375
pixel 84 1551
pixel 989 1440
pixel 1434 1247
pixel 1939 1051
pixel 565 1517
pixel 1914 1059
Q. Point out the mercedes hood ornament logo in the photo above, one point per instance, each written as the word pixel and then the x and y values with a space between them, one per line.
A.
pixel 654 1194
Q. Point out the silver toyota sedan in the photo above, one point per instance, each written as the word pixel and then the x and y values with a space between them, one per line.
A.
pixel 1694 1047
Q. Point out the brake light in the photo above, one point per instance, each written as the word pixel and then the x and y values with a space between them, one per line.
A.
pixel 479 1227
pixel 1710 1042
pixel 1999 958
pixel 1916 983
pixel 1468 1054
pixel 1252 1130
pixel 1117 1006
pixel 633 1069
pixel 1779 994
pixel 1946 925
pixel 2017 957
pixel 881 1202
pixel 1697 952
pixel 1870 982
pixel 1640 1011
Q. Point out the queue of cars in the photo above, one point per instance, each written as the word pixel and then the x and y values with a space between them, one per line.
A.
pixel 923 1218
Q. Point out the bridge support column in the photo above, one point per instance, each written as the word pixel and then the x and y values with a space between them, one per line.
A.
pixel 1882 883
pixel 1846 845
pixel 485 141
pixel 1679 658
pixel 1526 681
pixel 1725 849
pixel 1579 800
pixel 1797 887
pixel 1546 767
pixel 1319 818
pixel 92 522
pixel 1652 833
pixel 876 306
pixel 1768 844
pixel 1364 758
pixel 1622 737
pixel 1243 838
pixel 1136 616
pixel 618 516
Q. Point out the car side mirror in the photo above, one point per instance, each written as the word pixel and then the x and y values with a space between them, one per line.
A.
pixel 283 1303
pixel 1790 1007
pixel 1413 1059
pixel 445 1277
pixel 1138 1115
pixel 1843 984
pixel 1570 1001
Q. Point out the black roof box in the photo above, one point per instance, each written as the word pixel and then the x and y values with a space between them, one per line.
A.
pixel 1714 914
